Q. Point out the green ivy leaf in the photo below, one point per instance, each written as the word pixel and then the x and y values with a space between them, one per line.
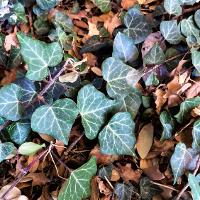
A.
pixel 41 26
pixel 19 131
pixel 186 107
pixel 77 187
pixel 30 148
pixel 155 55
pixel 46 4
pixel 195 187
pixel 124 48
pixel 196 59
pixel 182 159
pixel 15 58
pixel 19 11
pixel 39 56
pixel 124 191
pixel 168 125
pixel 120 77
pixel 187 2
pixel 10 102
pixel 137 26
pixel 170 31
pixel 117 137
pixel 173 7
pixel 93 107
pixel 7 150
pixel 56 119
pixel 130 103
pixel 103 5
pixel 188 27
pixel 196 136
pixel 197 18
pixel 152 79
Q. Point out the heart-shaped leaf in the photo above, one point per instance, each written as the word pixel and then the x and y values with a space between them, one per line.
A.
pixel 155 55
pixel 137 26
pixel 170 31
pixel 186 107
pixel 182 159
pixel 197 17
pixel 196 136
pixel 194 185
pixel 173 7
pixel 39 56
pixel 120 77
pixel 93 107
pixel 117 137
pixel 7 150
pixel 168 125
pixel 55 120
pixel 46 4
pixel 77 187
pixel 124 48
pixel 19 131
pixel 103 5
pixel 10 102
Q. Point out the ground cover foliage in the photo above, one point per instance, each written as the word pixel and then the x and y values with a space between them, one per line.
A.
pixel 99 99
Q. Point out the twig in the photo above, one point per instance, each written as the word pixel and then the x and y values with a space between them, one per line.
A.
pixel 165 186
pixel 186 186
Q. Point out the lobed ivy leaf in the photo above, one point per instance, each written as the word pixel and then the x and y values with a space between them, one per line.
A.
pixel 117 137
pixel 186 107
pixel 103 5
pixel 137 26
pixel 124 191
pixel 182 159
pixel 46 4
pixel 19 131
pixel 155 55
pixel 171 31
pixel 93 107
pixel 77 187
pixel 173 7
pixel 168 125
pixel 10 102
pixel 39 56
pixel 19 11
pixel 124 48
pixel 7 150
pixel 196 59
pixel 194 185
pixel 120 77
pixel 197 18
pixel 196 136
pixel 55 120
pixel 188 27
pixel 130 103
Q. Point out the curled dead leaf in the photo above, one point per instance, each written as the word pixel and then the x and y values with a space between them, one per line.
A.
pixel 70 77
pixel 160 100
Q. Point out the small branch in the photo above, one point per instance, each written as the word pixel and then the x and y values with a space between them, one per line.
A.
pixel 187 185
pixel 165 186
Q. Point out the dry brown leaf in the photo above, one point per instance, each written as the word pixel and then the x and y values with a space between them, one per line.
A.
pixel 11 40
pixel 179 68
pixel 115 176
pixel 103 188
pixel 126 4
pixel 151 168
pixel 80 24
pixel 10 76
pixel 14 193
pixel 92 29
pixel 184 88
pixel 94 189
pixel 91 59
pixel 196 111
pixel 70 77
pixel 38 178
pixel 145 1
pixel 193 91
pixel 145 140
pixel 59 146
pixel 46 137
pixel 160 100
pixel 112 23
pixel 97 71
pixel 34 167
pixel 184 77
pixel 128 174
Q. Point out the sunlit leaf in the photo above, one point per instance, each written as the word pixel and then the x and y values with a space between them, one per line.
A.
pixel 168 125
pixel 39 56
pixel 185 108
pixel 29 148
pixel 173 7
pixel 124 48
pixel 182 159
pixel 94 107
pixel 194 185
pixel 77 187
pixel 7 150
pixel 117 137
pixel 170 31
pixel 155 55
pixel 10 102
pixel 55 120
pixel 103 5
pixel 137 26
pixel 120 77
